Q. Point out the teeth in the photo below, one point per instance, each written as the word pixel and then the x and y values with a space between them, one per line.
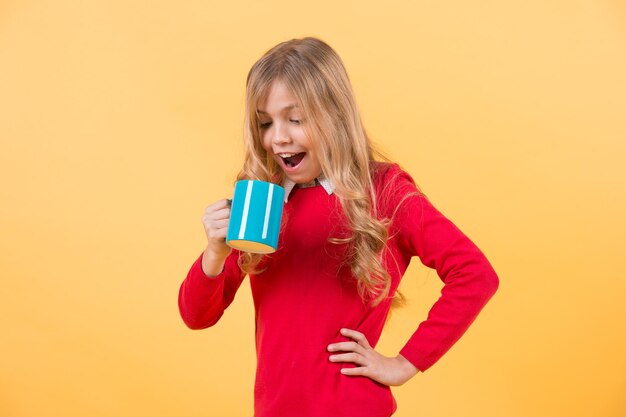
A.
pixel 286 155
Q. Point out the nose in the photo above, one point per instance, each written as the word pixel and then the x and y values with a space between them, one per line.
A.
pixel 281 135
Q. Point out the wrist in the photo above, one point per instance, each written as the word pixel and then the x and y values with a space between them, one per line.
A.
pixel 213 263
pixel 408 369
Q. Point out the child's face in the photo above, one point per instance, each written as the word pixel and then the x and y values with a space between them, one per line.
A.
pixel 283 135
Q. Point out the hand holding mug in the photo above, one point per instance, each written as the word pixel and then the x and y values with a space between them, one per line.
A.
pixel 215 222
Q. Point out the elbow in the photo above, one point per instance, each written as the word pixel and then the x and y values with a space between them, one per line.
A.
pixel 192 323
pixel 196 317
pixel 197 322
pixel 491 282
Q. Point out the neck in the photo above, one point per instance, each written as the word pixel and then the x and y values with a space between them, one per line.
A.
pixel 308 184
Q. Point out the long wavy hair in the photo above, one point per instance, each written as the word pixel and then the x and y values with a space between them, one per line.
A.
pixel 316 76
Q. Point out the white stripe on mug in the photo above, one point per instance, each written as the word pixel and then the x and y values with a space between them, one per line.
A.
pixel 246 208
pixel 268 209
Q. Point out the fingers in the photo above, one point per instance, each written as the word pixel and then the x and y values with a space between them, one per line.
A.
pixel 217 211
pixel 356 336
pixel 359 343
pixel 217 229
pixel 216 215
pixel 223 214
pixel 220 204
pixel 351 357
pixel 356 351
pixel 346 347
pixel 359 371
pixel 215 220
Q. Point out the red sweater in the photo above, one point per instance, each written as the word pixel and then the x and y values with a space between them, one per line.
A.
pixel 305 295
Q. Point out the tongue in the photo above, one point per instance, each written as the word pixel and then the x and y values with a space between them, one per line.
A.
pixel 294 160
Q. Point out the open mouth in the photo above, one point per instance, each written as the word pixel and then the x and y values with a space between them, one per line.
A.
pixel 292 159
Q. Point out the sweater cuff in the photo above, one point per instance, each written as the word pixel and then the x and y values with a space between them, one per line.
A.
pixel 419 357
pixel 198 277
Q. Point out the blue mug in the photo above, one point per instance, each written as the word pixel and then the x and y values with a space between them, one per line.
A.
pixel 255 216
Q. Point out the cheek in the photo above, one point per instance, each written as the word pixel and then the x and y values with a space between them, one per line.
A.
pixel 266 142
pixel 316 160
pixel 305 141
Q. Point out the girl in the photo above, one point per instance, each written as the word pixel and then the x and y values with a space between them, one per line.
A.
pixel 350 227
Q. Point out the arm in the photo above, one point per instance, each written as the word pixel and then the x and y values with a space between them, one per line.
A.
pixel 202 299
pixel 470 281
pixel 214 278
pixel 468 277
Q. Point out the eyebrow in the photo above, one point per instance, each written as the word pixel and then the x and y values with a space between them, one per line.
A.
pixel 291 106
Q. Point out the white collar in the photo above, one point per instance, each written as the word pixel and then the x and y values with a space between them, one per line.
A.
pixel 289 185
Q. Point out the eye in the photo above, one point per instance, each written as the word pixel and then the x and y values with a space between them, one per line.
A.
pixel 265 125
pixel 296 121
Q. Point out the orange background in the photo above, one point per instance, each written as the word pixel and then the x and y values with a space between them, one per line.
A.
pixel 120 121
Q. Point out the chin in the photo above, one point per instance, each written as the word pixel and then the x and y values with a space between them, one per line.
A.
pixel 301 180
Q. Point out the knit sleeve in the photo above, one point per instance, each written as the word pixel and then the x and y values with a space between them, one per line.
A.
pixel 468 277
pixel 201 299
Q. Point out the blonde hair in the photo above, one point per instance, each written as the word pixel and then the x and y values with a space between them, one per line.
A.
pixel 315 74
